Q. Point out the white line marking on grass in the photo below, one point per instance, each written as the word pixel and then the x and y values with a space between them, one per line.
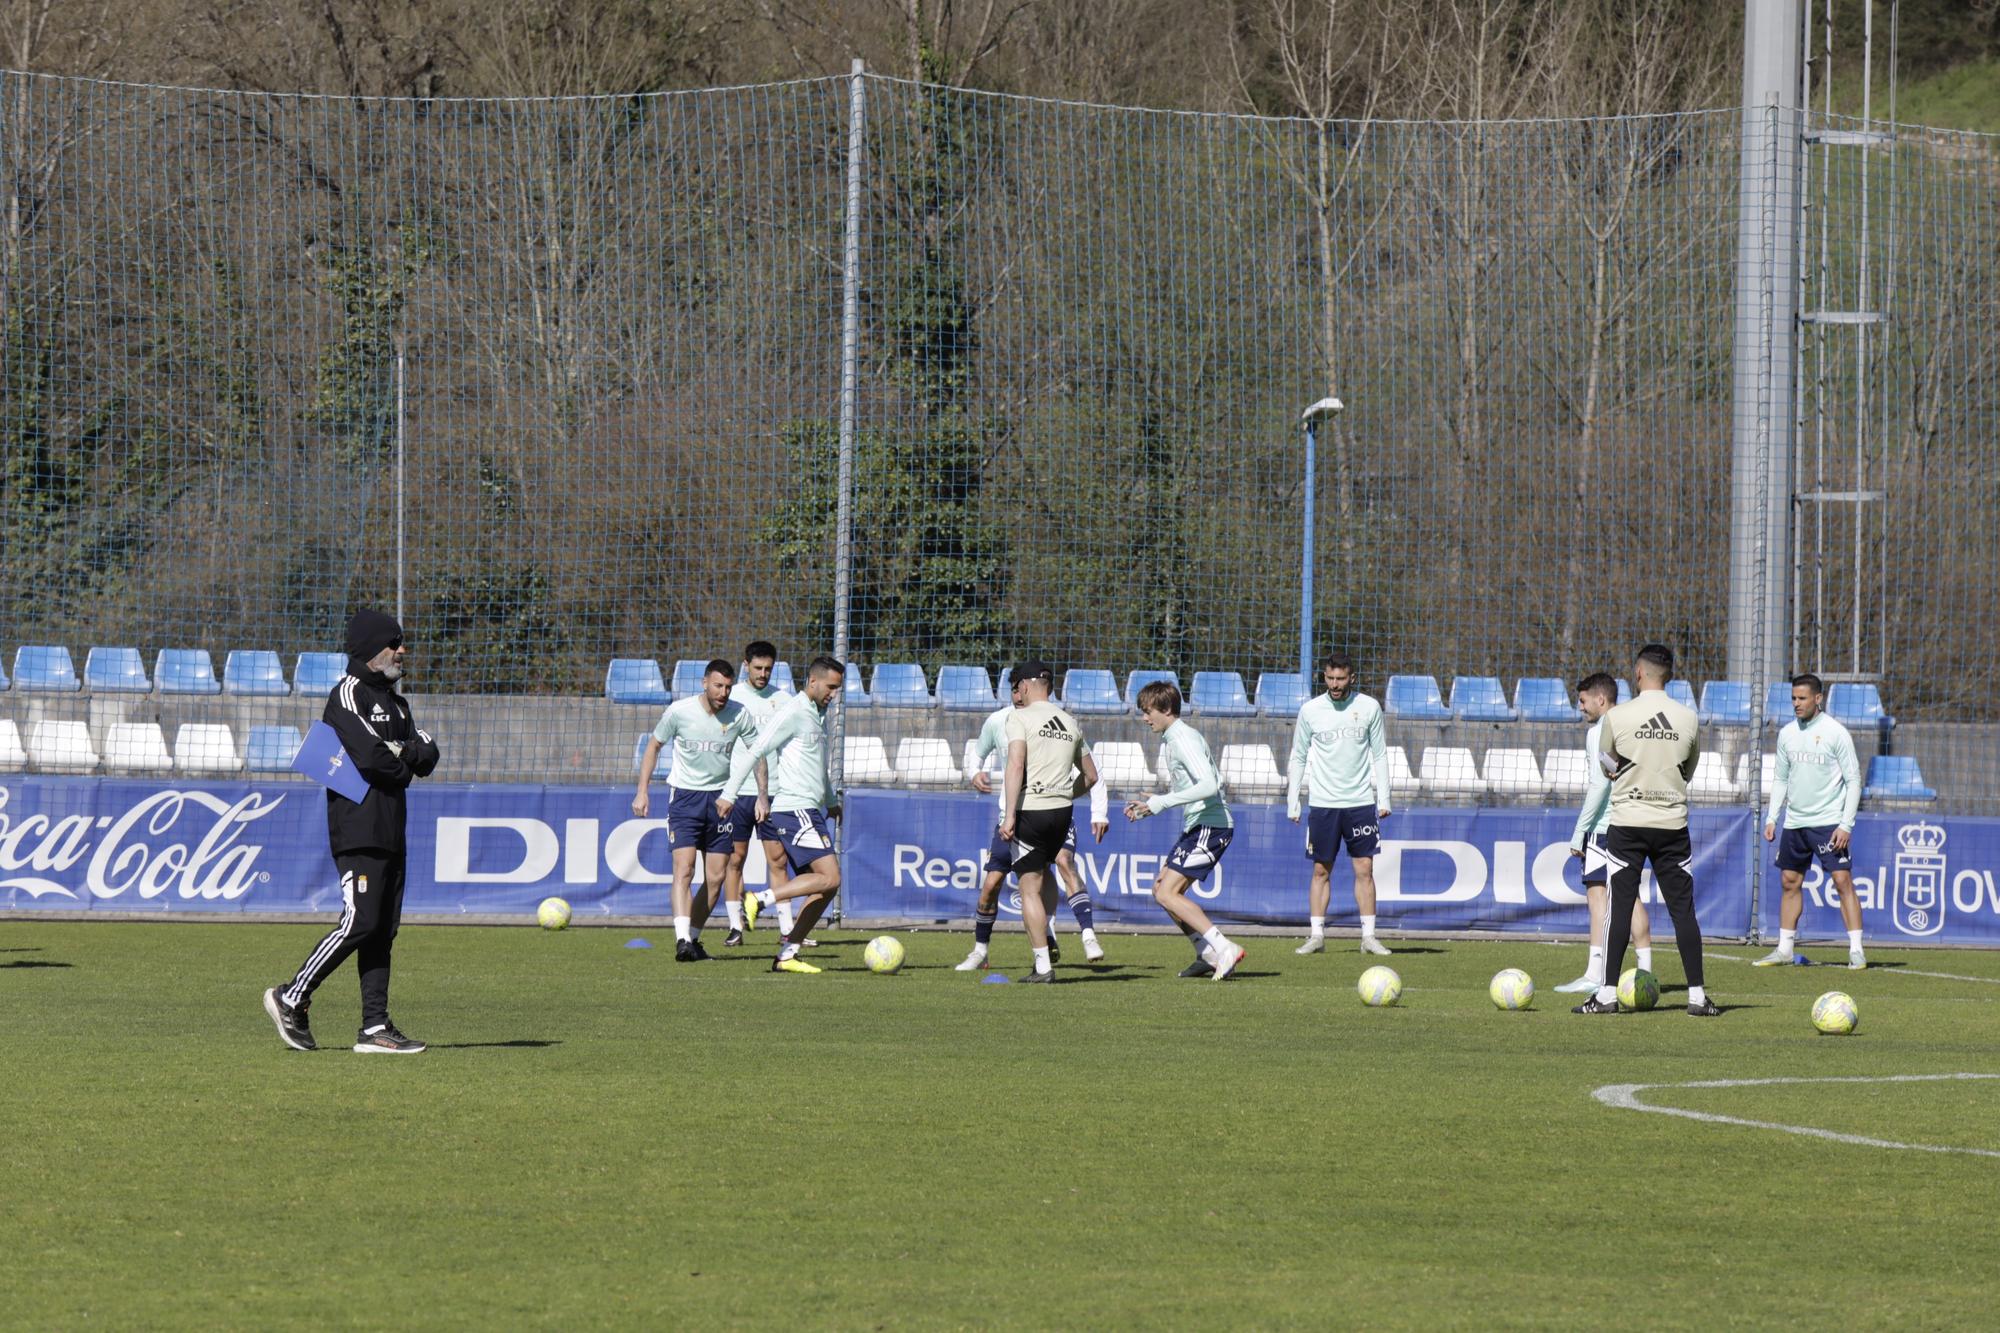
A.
pixel 1899 971
pixel 1625 1096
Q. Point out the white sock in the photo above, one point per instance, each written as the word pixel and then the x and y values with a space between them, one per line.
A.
pixel 785 916
pixel 1786 939
pixel 1606 994
pixel 1367 927
pixel 735 915
pixel 1318 927
pixel 683 928
pixel 1646 959
pixel 1041 960
pixel 767 898
pixel 1854 939
pixel 1216 939
pixel 787 950
pixel 1594 971
pixel 1696 995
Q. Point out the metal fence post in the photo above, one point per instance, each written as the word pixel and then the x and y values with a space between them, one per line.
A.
pixel 850 338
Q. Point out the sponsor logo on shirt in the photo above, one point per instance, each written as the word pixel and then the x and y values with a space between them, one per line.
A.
pixel 1658 729
pixel 1053 729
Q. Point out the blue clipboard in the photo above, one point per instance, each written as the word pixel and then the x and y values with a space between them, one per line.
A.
pixel 325 761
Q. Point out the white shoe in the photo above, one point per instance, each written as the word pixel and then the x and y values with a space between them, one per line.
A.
pixel 1225 959
pixel 974 961
pixel 1578 987
pixel 1092 950
pixel 1857 961
pixel 1369 944
pixel 1775 958
pixel 1313 944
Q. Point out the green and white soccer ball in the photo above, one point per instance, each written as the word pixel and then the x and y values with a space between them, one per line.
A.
pixel 884 954
pixel 1379 986
pixel 1638 990
pixel 553 914
pixel 1834 1013
pixel 1511 988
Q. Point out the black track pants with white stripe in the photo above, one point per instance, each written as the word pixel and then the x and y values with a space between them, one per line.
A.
pixel 1672 855
pixel 371 890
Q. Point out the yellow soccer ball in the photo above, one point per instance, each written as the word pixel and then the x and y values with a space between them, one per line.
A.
pixel 1511 989
pixel 1379 986
pixel 553 914
pixel 884 954
pixel 1638 990
pixel 1834 1013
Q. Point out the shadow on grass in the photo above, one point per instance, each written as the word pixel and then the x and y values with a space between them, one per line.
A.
pixel 35 962
pixel 36 948
pixel 1402 949
pixel 491 1045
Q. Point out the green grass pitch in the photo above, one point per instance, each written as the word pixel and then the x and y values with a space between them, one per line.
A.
pixel 601 1138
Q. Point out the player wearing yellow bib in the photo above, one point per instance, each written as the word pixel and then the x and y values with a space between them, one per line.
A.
pixel 1206 828
pixel 1048 767
pixel 1818 786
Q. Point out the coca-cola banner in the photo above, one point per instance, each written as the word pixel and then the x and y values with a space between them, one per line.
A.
pixel 104 844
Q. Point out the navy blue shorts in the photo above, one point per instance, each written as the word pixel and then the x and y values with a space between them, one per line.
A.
pixel 1596 861
pixel 1354 825
pixel 692 821
pixel 1000 855
pixel 1798 848
pixel 743 825
pixel 1198 851
pixel 806 835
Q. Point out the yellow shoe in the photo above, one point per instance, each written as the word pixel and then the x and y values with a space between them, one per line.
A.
pixel 793 965
pixel 752 905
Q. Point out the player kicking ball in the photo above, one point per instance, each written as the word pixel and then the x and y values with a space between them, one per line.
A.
pixel 1206 828
pixel 801 804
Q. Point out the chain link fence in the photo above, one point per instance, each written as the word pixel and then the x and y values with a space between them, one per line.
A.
pixel 560 381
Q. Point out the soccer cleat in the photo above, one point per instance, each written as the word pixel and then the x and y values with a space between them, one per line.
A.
pixel 1092 950
pixel 1055 950
pixel 1775 958
pixel 1706 1009
pixel 1313 944
pixel 752 905
pixel 732 939
pixel 1369 944
pixel 1200 967
pixel 1227 957
pixel 388 1041
pixel 1857 961
pixel 293 1027
pixel 974 962
pixel 1593 1005
pixel 1032 977
pixel 798 965
pixel 684 952
pixel 1578 987
pixel 701 955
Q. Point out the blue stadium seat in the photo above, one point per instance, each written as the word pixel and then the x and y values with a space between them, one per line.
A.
pixel 1088 690
pixel 1725 703
pixel 254 671
pixel 1416 698
pixel 1681 692
pixel 1778 704
pixel 1139 680
pixel 781 676
pixel 1896 777
pixel 1479 699
pixel 4 682
pixel 185 671
pixel 1281 693
pixel 272 749
pixel 1220 694
pixel 900 685
pixel 45 670
pixel 115 671
pixel 965 689
pixel 315 674
pixel 1858 704
pixel 661 766
pixel 687 676
pixel 1624 690
pixel 1544 699
pixel 635 680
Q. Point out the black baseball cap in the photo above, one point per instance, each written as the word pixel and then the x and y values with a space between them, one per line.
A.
pixel 1031 669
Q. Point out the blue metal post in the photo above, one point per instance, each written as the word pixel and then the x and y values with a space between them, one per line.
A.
pixel 1306 568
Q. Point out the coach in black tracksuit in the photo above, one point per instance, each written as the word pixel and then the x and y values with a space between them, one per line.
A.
pixel 390 750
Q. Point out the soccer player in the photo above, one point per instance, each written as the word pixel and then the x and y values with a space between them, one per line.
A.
pixel 1596 694
pixel 755 692
pixel 704 731
pixel 1000 856
pixel 1338 747
pixel 1196 788
pixel 1048 767
pixel 801 803
pixel 1818 785
pixel 1650 746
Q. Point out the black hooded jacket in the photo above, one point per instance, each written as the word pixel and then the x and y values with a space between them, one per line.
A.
pixel 368 715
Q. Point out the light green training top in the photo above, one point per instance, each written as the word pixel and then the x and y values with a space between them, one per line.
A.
pixel 1341 752
pixel 1595 817
pixel 1818 781
pixel 1196 786
pixel 702 740
pixel 763 704
pixel 799 779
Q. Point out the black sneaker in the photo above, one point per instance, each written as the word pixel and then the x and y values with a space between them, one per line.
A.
pixel 1034 976
pixel 700 954
pixel 1706 1009
pixel 293 1028
pixel 1593 1005
pixel 732 939
pixel 684 952
pixel 1055 951
pixel 1200 967
pixel 387 1041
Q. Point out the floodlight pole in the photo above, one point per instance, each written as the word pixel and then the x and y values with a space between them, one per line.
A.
pixel 850 353
pixel 400 478
pixel 1306 562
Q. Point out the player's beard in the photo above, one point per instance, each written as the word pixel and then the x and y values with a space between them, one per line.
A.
pixel 392 672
